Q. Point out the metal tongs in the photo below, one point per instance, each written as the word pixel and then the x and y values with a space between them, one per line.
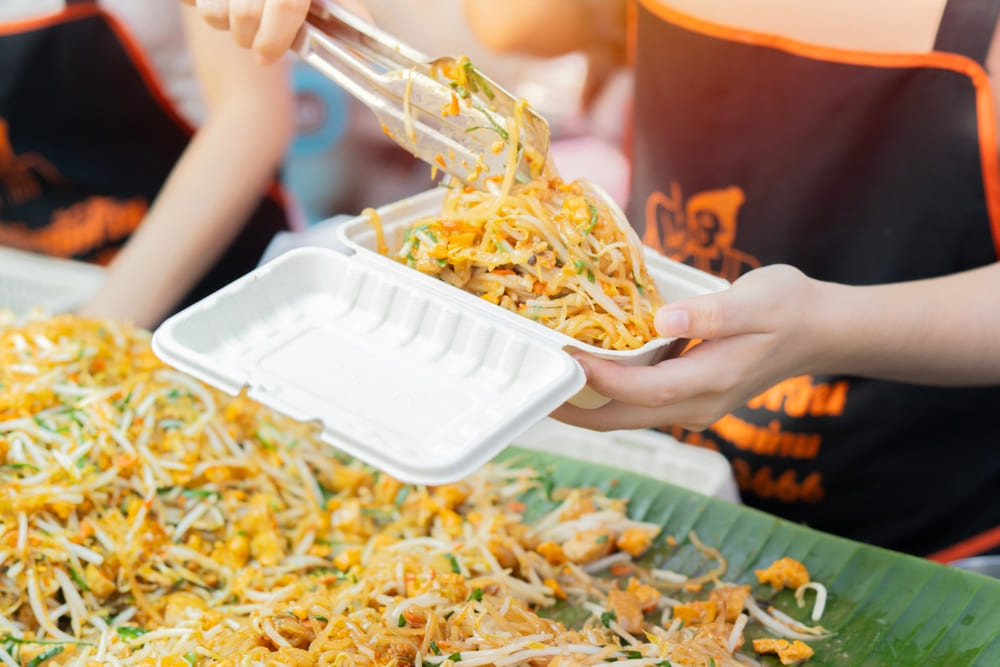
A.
pixel 444 111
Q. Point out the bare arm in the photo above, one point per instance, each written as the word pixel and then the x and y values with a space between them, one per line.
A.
pixel 215 185
pixel 776 323
pixel 548 28
pixel 268 27
pixel 944 331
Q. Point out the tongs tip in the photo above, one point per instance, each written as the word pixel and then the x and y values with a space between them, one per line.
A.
pixel 444 111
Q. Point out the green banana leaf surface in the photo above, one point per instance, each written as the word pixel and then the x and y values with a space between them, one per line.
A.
pixel 885 608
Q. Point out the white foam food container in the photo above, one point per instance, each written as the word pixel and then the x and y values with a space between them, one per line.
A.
pixel 674 281
pixel 645 452
pixel 401 370
pixel 405 378
pixel 30 281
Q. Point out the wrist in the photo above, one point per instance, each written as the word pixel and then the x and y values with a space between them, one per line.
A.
pixel 828 326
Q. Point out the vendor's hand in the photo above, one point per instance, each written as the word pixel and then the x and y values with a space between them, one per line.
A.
pixel 268 27
pixel 754 335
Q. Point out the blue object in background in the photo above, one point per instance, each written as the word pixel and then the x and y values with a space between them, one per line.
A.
pixel 312 170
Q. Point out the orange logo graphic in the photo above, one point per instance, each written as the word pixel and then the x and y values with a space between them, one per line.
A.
pixel 785 486
pixel 700 231
pixel 796 397
pixel 78 229
pixel 802 396
pixel 22 176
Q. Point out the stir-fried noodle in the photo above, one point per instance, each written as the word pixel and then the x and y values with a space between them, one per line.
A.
pixel 146 519
pixel 559 253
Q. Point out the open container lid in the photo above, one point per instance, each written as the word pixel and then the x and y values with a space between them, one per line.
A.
pixel 398 375
pixel 402 370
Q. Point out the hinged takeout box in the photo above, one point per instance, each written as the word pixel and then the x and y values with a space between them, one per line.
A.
pixel 401 370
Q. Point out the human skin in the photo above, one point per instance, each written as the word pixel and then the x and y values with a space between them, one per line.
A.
pixel 774 322
pixel 190 224
pixel 266 27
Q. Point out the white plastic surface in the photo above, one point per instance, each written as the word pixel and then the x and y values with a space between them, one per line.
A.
pixel 402 370
pixel 51 284
pixel 645 452
pixel 400 374
pixel 674 280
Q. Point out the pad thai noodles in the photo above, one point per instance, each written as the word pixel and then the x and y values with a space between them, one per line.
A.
pixel 559 253
pixel 146 519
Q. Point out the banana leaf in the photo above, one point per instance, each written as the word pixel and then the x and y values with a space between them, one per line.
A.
pixel 886 608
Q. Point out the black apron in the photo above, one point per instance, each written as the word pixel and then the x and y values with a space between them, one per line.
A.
pixel 857 168
pixel 87 138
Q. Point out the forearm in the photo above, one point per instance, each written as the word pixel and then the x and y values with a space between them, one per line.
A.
pixel 547 28
pixel 208 196
pixel 942 331
pixel 212 189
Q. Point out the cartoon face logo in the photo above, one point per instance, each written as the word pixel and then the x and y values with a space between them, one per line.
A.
pixel 700 231
pixel 711 218
pixel 704 227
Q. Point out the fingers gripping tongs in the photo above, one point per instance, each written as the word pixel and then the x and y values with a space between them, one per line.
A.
pixel 444 111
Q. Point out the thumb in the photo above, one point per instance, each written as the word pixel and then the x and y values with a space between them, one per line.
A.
pixel 706 317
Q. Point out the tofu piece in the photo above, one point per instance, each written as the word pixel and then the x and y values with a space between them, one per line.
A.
pixel 784 572
pixel 788 652
pixel 628 613
pixel 588 545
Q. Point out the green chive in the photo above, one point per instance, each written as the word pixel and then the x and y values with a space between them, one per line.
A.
pixel 493 124
pixel 130 631
pixel 8 640
pixel 593 219
pixel 51 653
pixel 19 466
pixel 454 563
pixel 200 493
pixel 75 576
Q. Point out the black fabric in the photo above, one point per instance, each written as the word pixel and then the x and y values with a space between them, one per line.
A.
pixel 73 100
pixel 855 174
pixel 96 123
pixel 967 28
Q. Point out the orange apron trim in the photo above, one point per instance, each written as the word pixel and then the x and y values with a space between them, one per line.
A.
pixel 988 148
pixel 973 546
pixel 146 71
pixel 35 23
pixel 135 52
pixel 631 32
